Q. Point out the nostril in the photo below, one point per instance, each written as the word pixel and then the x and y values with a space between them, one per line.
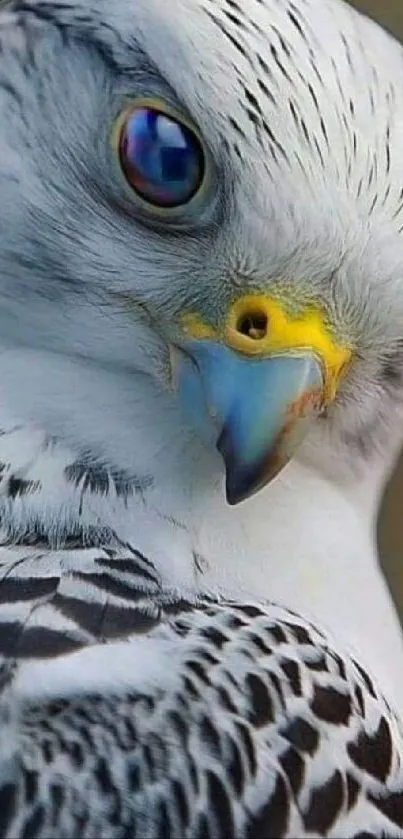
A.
pixel 253 325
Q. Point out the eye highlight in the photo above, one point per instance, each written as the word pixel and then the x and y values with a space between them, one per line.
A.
pixel 161 158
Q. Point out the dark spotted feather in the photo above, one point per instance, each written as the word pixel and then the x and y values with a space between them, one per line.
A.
pixel 130 711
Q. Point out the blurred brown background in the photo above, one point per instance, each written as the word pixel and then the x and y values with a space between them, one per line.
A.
pixel 387 12
pixel 390 14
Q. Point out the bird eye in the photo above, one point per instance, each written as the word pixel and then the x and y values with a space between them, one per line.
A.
pixel 161 158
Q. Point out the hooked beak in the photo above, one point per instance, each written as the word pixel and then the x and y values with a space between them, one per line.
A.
pixel 254 389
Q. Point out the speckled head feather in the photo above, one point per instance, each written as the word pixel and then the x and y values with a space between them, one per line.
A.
pixel 298 105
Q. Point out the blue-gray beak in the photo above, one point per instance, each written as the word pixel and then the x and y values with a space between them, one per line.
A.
pixel 254 410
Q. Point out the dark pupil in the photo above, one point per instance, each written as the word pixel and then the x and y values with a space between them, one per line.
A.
pixel 161 158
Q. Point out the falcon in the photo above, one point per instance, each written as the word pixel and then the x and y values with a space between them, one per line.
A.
pixel 201 392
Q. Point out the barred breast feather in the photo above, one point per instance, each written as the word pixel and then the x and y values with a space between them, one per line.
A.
pixel 128 710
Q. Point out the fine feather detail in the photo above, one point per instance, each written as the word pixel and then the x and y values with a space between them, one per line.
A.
pixel 128 709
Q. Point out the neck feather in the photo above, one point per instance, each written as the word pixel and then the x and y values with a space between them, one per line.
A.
pixel 89 457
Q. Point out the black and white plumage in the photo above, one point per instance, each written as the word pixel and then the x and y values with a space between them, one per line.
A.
pixel 149 686
pixel 209 717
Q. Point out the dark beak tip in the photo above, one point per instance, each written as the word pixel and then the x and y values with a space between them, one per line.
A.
pixel 242 479
pixel 233 497
pixel 241 484
pixel 238 484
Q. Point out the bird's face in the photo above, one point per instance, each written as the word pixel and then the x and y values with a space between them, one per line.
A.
pixel 203 192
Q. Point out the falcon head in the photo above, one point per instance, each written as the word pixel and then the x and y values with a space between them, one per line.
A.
pixel 202 212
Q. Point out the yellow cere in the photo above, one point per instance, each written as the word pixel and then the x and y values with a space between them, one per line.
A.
pixel 196 328
pixel 283 333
